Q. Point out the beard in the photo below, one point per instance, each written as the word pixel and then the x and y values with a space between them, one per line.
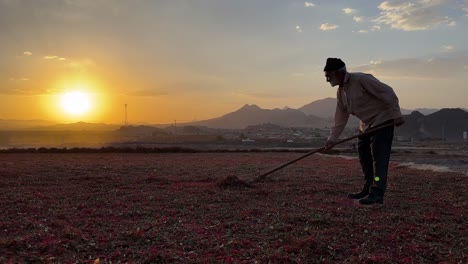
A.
pixel 334 82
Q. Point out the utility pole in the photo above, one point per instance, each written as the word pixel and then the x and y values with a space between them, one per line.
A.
pixel 126 123
pixel 175 131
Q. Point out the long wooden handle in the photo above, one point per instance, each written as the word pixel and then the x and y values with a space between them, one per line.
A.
pixel 262 176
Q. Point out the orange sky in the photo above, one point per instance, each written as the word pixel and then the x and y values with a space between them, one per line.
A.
pixel 193 60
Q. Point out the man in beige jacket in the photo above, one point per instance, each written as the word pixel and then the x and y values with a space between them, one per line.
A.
pixel 375 104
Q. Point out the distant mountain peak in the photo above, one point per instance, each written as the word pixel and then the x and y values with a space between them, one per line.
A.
pixel 324 108
pixel 446 113
pixel 416 114
pixel 452 110
pixel 250 107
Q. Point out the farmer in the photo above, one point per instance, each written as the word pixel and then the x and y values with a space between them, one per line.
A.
pixel 375 104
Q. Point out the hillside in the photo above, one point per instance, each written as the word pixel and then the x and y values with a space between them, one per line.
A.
pixel 253 115
pixel 325 108
pixel 448 123
pixel 316 114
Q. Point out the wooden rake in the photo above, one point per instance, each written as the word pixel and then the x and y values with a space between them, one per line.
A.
pixel 370 131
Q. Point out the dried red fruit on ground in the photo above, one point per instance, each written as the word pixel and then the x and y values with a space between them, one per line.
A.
pixel 168 208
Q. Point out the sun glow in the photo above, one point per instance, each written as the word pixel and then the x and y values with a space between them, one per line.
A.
pixel 75 103
pixel 78 100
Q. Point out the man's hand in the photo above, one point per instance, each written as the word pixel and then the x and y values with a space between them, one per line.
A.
pixel 329 144
pixel 398 121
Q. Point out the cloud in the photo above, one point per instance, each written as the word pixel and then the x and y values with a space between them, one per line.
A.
pixel 297 75
pixel 328 26
pixel 54 57
pixel 308 4
pixel 447 48
pixel 440 67
pixel 363 31
pixel 19 79
pixel 375 28
pixel 358 19
pixel 27 53
pixel 349 11
pixel 21 87
pixel 298 29
pixel 412 16
pixel 21 92
pixel 80 65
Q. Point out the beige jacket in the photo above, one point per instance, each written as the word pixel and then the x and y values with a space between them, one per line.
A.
pixel 365 97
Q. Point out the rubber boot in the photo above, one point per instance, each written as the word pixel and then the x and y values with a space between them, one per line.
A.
pixel 363 193
pixel 376 196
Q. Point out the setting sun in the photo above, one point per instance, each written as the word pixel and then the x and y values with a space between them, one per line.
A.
pixel 82 100
pixel 75 103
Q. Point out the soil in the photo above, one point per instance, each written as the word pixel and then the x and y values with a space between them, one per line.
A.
pixel 169 208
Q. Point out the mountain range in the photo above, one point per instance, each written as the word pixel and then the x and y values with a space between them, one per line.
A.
pixel 447 123
pixel 422 122
pixel 253 115
pixel 325 108
pixel 317 114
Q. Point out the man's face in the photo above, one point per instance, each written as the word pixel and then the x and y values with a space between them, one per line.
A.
pixel 332 78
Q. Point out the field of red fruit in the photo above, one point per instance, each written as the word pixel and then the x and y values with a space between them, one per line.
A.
pixel 169 208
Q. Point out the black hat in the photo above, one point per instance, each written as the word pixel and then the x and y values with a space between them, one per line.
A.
pixel 334 64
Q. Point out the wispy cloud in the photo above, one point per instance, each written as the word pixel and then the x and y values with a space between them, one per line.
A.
pixel 22 91
pixel 54 57
pixel 327 26
pixel 358 19
pixel 418 68
pixel 363 31
pixel 375 28
pixel 309 4
pixel 27 53
pixel 448 48
pixel 298 29
pixel 19 79
pixel 413 15
pixel 297 75
pixel 349 11
pixel 80 65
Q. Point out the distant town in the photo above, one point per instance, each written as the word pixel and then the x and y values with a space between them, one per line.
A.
pixel 250 126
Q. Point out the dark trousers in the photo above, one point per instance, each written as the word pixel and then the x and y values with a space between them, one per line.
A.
pixel 374 156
